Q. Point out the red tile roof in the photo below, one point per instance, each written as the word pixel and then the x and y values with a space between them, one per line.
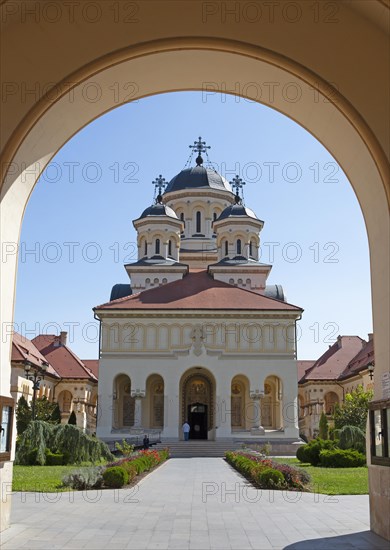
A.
pixel 64 360
pixel 198 290
pixel 333 362
pixel 303 366
pixel 23 348
pixel 360 361
pixel 92 365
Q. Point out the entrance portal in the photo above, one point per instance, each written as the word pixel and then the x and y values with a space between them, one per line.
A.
pixel 197 389
pixel 197 418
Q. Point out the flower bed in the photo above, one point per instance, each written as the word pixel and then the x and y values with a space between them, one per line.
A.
pixel 117 474
pixel 267 473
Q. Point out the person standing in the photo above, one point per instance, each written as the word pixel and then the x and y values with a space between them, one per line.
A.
pixel 186 430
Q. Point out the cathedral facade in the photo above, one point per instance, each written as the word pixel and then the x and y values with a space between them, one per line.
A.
pixel 198 335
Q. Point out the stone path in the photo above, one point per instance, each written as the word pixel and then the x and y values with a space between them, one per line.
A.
pixel 196 503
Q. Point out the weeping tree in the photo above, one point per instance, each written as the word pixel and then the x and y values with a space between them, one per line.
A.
pixel 352 437
pixel 64 439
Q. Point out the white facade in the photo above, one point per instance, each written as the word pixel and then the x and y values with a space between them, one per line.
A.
pixel 213 347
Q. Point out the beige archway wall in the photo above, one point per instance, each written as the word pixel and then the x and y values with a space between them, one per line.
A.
pixel 169 46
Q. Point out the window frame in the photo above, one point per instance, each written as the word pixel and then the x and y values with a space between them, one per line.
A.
pixel 5 456
pixel 382 405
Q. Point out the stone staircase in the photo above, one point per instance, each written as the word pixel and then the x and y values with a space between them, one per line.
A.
pixel 204 448
pixel 197 448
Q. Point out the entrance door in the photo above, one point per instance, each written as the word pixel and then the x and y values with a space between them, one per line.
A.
pixel 197 418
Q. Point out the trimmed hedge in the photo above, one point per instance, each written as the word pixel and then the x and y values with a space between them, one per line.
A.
pixel 254 466
pixel 272 478
pixel 141 462
pixel 54 459
pixel 115 477
pixel 311 451
pixel 340 458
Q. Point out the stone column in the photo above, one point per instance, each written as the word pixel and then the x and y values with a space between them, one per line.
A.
pixel 257 428
pixel 172 420
pixel 223 414
pixel 290 405
pixel 105 410
pixel 138 396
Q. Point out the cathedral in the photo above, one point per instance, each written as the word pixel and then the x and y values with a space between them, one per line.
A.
pixel 198 335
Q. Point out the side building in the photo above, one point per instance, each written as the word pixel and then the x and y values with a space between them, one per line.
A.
pixel 67 380
pixel 323 383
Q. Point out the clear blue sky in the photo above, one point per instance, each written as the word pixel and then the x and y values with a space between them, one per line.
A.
pixel 314 233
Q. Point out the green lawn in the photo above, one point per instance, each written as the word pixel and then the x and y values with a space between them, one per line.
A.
pixel 44 479
pixel 326 481
pixel 334 481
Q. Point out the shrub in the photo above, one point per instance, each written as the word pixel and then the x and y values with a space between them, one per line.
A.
pixel 253 466
pixel 311 451
pixel 31 458
pixel 323 427
pixel 301 453
pixel 85 478
pixel 56 415
pixel 115 477
pixel 72 419
pixel 125 448
pixel 339 458
pixel 54 459
pixel 131 470
pixel 270 478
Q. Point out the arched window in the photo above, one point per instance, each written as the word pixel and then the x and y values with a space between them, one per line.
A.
pixel 331 400
pixel 198 222
pixel 215 216
pixel 157 246
pixel 169 247
pixel 226 248
pixel 146 248
pixel 250 249
pixel 182 216
pixel 239 246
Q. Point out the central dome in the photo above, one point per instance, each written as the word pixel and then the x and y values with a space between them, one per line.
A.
pixel 198 177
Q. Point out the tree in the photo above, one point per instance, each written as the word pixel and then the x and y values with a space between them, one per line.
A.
pixel 56 415
pixel 64 439
pixel 323 427
pixel 72 419
pixel 23 415
pixel 353 412
pixel 44 409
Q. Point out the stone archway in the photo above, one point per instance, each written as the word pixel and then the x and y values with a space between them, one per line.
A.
pixel 197 398
pixel 346 118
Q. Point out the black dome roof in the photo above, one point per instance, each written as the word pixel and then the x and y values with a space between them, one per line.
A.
pixel 159 210
pixel 237 210
pixel 198 177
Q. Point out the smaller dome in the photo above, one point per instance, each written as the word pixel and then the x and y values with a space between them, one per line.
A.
pixel 237 210
pixel 159 210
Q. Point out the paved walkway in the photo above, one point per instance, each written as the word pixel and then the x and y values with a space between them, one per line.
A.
pixel 196 503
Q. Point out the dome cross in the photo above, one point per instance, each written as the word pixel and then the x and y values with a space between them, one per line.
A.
pixel 200 147
pixel 159 185
pixel 237 183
